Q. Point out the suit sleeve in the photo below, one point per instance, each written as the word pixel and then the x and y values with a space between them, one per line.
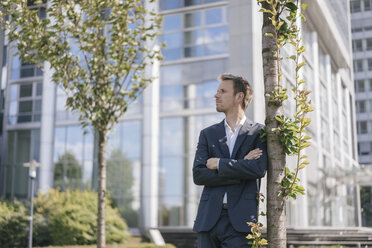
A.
pixel 246 168
pixel 201 174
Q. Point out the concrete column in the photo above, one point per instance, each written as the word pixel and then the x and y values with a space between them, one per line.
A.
pixel 47 130
pixel 190 197
pixel 339 110
pixel 150 154
pixel 316 103
pixel 246 51
pixel 150 144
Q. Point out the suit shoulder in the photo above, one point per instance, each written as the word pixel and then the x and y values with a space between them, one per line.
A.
pixel 212 128
pixel 257 127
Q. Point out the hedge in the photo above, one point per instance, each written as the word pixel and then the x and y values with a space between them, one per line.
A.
pixel 60 218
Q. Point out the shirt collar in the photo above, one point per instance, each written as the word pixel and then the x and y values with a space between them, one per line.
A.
pixel 240 124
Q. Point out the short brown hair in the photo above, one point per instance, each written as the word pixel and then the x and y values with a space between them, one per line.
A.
pixel 240 85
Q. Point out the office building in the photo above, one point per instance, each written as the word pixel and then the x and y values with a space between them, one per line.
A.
pixel 151 150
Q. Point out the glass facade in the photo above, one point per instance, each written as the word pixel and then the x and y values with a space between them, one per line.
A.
pixel 21 69
pixel 124 154
pixel 178 136
pixel 23 146
pixel 172 171
pixel 195 34
pixel 175 4
pixel 73 158
pixel 25 103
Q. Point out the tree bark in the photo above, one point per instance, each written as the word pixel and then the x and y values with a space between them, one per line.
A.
pixel 276 217
pixel 101 220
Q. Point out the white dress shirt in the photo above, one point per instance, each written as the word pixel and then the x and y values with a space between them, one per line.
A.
pixel 231 139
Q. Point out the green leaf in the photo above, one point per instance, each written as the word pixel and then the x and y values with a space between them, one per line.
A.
pixel 298 67
pixel 304 6
pixel 269 34
pixel 291 6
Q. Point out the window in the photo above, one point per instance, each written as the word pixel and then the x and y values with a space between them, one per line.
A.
pixel 73 158
pixel 364 148
pixel 25 103
pixel 175 4
pixel 355 6
pixel 362 127
pixel 195 34
pixel 170 4
pixel 355 30
pixel 358 65
pixel 192 19
pixel 21 69
pixel 359 86
pixel 213 16
pixel 322 63
pixel 357 46
pixel 361 106
pixel 369 44
pixel 172 162
pixel 177 97
pixel 369 64
pixel 172 22
pixel 22 146
pixel 370 84
pixel 205 94
pixel 5 55
pixel 367 5
pixel 172 97
pixel 41 8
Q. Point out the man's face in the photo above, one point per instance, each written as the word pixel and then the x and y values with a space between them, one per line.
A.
pixel 225 98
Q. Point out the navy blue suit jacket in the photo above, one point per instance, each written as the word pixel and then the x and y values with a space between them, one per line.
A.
pixel 238 177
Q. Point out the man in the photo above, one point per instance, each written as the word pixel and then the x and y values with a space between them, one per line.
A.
pixel 230 160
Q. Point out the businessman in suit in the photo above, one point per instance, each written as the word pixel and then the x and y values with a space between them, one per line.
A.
pixel 230 160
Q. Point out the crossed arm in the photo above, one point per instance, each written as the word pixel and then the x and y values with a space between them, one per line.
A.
pixel 230 171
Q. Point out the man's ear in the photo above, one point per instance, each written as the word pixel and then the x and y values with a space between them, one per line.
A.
pixel 240 96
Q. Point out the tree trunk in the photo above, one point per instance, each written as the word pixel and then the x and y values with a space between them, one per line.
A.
pixel 101 220
pixel 276 217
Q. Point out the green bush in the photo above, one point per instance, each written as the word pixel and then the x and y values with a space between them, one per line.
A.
pixel 60 218
pixel 72 225
pixel 13 225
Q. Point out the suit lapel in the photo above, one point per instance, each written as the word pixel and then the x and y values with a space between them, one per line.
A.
pixel 222 140
pixel 241 136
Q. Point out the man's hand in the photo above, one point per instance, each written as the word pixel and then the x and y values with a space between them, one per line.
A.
pixel 254 154
pixel 212 163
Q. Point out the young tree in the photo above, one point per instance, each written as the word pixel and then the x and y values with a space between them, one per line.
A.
pixel 276 218
pixel 98 51
pixel 285 135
